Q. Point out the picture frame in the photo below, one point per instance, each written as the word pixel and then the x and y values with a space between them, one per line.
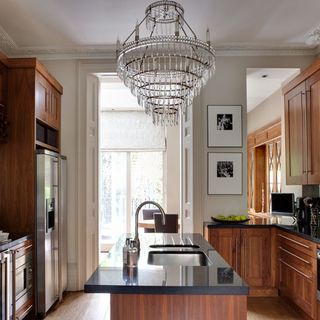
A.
pixel 224 125
pixel 224 173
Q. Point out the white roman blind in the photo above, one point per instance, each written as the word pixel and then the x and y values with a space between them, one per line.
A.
pixel 130 130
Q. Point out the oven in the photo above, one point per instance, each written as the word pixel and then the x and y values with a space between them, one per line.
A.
pixel 318 274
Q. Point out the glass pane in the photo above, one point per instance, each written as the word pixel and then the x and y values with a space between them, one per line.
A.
pixel 113 191
pixel 146 178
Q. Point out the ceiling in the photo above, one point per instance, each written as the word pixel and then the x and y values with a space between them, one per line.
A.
pixel 91 28
pixel 263 82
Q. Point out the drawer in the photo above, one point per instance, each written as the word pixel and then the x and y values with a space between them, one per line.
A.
pixel 303 264
pixel 297 245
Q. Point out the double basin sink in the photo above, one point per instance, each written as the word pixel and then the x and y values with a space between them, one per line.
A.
pixel 177 254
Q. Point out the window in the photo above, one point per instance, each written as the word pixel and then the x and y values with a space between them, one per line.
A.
pixel 127 179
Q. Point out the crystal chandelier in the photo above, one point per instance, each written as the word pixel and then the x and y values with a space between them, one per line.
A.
pixel 169 67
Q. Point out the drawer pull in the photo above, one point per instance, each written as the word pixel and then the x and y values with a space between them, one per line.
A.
pixel 296 270
pixel 292 254
pixel 24 248
pixel 294 241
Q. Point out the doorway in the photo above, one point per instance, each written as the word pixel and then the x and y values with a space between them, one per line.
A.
pixel 136 161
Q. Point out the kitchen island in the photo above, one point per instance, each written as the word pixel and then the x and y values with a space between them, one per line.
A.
pixel 171 291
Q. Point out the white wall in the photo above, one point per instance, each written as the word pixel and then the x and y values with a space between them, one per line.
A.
pixel 227 87
pixel 270 110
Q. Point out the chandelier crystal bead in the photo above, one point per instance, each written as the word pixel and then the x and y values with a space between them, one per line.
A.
pixel 167 69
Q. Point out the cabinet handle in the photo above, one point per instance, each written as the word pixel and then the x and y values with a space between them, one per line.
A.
pixel 292 254
pixel 24 248
pixel 296 270
pixel 294 241
pixel 308 107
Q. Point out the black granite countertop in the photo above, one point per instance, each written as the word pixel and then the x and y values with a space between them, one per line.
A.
pixel 305 231
pixel 13 240
pixel 218 278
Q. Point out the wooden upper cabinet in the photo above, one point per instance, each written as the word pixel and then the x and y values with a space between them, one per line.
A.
pixel 295 135
pixel 48 102
pixel 302 117
pixel 42 98
pixel 313 128
pixel 3 84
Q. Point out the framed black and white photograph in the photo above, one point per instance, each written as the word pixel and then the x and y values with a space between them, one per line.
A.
pixel 224 173
pixel 224 126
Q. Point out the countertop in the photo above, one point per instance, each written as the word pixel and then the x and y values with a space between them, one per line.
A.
pixel 216 279
pixel 14 239
pixel 303 230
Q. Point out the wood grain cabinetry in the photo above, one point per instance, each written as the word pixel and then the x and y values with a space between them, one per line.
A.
pixel 22 279
pixel 18 161
pixel 48 101
pixel 249 252
pixel 3 103
pixel 256 257
pixel 302 116
pixel 264 154
pixel 227 242
pixel 297 271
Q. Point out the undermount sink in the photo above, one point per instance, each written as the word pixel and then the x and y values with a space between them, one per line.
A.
pixel 182 258
pixel 177 246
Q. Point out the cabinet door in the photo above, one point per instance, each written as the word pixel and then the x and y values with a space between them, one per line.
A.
pixel 54 110
pixel 3 84
pixel 256 257
pixel 42 98
pixel 298 287
pixel 295 135
pixel 313 128
pixel 227 242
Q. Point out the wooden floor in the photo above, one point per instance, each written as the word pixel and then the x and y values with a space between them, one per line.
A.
pixel 81 306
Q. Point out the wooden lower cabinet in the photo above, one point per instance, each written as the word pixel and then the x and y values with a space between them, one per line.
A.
pixel 298 272
pixel 271 261
pixel 227 242
pixel 249 252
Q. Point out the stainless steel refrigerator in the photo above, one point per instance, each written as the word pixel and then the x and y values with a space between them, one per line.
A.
pixel 51 235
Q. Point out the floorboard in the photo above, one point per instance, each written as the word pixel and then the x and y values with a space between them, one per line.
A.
pixel 81 306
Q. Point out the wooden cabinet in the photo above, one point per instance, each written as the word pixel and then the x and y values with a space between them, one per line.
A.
pixel 264 161
pixel 227 242
pixel 48 102
pixel 297 271
pixel 17 157
pixel 3 84
pixel 302 132
pixel 249 252
pixel 22 279
pixel 3 103
pixel 256 257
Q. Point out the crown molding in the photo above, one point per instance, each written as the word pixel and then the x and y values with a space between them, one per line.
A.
pixel 8 46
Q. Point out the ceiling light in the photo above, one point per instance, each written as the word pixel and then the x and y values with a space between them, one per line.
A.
pixel 166 69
